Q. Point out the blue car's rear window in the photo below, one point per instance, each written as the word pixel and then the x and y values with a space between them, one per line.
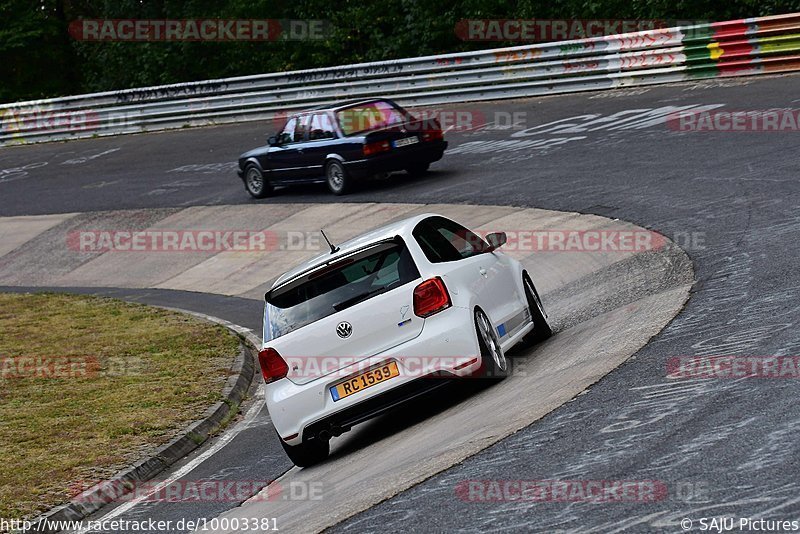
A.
pixel 370 116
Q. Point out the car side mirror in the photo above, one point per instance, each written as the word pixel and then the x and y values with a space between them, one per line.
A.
pixel 273 141
pixel 496 240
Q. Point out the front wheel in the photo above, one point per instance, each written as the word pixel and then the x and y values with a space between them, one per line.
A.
pixel 307 453
pixel 541 328
pixel 337 179
pixel 255 183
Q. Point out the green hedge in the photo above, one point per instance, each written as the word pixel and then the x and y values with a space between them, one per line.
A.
pixel 40 59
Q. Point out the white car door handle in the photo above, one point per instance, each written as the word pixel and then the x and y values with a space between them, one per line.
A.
pixel 482 271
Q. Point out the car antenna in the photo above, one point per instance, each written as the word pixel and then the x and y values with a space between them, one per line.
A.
pixel 334 250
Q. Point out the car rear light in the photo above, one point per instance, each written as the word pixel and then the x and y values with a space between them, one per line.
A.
pixel 376 147
pixel 433 135
pixel 273 367
pixel 431 297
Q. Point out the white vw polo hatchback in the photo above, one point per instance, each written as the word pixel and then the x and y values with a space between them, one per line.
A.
pixel 384 318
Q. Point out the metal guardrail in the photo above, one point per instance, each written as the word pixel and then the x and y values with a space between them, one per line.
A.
pixel 733 48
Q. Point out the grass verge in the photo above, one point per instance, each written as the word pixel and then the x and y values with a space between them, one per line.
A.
pixel 90 385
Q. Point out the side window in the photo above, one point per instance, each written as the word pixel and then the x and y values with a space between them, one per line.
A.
pixel 467 243
pixel 321 127
pixel 301 130
pixel 287 134
pixel 443 240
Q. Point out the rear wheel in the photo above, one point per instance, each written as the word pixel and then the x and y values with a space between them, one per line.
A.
pixel 338 181
pixel 255 183
pixel 494 364
pixel 541 328
pixel 307 453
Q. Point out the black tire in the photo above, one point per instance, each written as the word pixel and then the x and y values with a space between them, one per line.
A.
pixel 307 453
pixel 255 183
pixel 494 364
pixel 418 169
pixel 337 178
pixel 541 328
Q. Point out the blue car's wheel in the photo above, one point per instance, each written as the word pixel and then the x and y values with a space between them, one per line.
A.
pixel 338 181
pixel 255 183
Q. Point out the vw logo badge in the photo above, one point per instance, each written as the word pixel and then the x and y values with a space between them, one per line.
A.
pixel 344 329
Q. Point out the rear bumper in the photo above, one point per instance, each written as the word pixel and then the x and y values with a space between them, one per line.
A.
pixel 441 351
pixel 343 420
pixel 397 159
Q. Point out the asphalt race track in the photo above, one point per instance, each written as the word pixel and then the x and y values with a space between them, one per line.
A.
pixel 605 305
pixel 720 447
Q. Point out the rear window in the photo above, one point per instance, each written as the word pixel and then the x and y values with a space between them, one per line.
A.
pixel 371 116
pixel 337 287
